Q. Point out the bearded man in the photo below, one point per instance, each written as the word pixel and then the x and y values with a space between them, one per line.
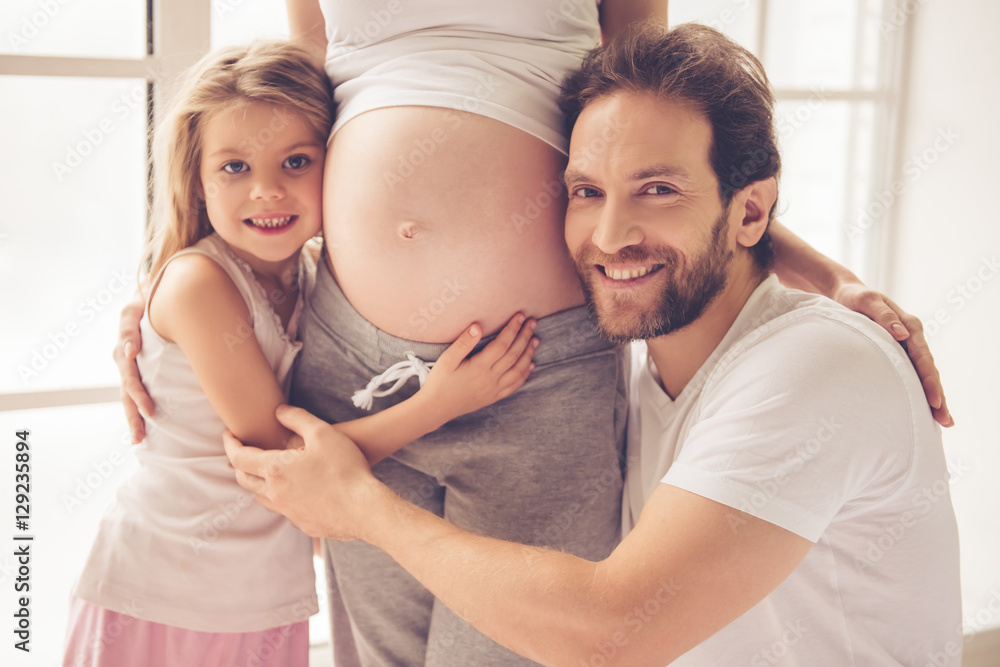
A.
pixel 787 494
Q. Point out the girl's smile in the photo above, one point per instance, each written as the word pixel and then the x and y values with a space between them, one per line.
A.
pixel 271 223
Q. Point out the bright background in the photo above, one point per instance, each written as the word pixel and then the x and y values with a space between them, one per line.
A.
pixel 888 132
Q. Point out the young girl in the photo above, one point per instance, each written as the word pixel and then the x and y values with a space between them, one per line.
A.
pixel 187 569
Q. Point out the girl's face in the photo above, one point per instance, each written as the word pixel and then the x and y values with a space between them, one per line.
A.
pixel 262 175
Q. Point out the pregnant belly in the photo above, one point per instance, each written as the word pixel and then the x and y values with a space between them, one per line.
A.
pixel 435 219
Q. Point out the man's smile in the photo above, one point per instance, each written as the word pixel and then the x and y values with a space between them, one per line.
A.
pixel 627 272
pixel 622 277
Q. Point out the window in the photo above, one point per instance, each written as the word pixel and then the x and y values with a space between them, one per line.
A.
pixel 831 70
pixel 81 81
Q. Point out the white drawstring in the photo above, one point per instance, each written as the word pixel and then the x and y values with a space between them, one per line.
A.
pixel 398 372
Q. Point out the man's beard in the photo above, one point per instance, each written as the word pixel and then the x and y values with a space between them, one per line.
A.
pixel 691 287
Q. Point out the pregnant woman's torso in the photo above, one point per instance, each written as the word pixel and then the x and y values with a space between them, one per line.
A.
pixel 437 217
pixel 474 233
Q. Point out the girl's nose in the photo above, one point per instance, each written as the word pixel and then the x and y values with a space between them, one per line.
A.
pixel 267 186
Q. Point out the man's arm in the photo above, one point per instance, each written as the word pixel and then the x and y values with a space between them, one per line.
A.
pixel 684 558
pixel 135 400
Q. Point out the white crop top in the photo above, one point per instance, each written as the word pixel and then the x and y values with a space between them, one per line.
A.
pixel 503 59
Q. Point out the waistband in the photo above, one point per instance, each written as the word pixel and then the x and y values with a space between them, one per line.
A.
pixel 563 335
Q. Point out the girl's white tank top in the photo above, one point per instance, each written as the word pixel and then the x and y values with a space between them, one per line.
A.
pixel 184 544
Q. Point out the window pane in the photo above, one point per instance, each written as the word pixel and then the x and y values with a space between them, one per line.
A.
pixel 240 22
pixel 873 42
pixel 71 228
pixel 96 28
pixel 827 159
pixel 829 44
pixel 79 456
pixel 736 18
pixel 858 244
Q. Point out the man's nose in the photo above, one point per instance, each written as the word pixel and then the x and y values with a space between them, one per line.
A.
pixel 616 228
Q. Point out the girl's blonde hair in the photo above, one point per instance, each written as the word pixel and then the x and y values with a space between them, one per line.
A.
pixel 275 72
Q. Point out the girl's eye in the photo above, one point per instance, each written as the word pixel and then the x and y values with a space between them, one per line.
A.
pixel 235 167
pixel 660 190
pixel 297 162
pixel 586 192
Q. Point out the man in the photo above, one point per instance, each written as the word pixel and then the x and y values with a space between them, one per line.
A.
pixel 787 495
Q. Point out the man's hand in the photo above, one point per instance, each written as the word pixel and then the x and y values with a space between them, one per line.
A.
pixel 323 487
pixel 906 329
pixel 135 400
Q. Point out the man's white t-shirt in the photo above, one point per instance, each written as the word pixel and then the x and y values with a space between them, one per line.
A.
pixel 812 418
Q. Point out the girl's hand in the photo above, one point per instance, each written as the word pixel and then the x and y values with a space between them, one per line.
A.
pixel 457 386
pixel 906 329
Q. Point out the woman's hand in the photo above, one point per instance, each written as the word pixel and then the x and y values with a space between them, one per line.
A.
pixel 906 329
pixel 457 385
pixel 135 400
pixel 799 266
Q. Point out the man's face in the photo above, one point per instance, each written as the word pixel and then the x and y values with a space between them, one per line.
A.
pixel 645 224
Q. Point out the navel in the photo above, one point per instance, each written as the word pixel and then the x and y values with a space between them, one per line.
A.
pixel 407 230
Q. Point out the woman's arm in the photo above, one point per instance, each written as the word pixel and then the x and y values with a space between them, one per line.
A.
pixel 801 266
pixel 306 24
pixel 617 14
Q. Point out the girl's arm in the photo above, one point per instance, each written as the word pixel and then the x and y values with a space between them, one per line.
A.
pixel 197 306
pixel 455 386
pixel 801 266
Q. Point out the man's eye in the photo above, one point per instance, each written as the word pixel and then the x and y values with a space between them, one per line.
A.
pixel 586 192
pixel 660 190
pixel 235 167
pixel 297 162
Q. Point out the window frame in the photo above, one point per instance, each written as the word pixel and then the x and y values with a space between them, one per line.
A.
pixel 874 259
pixel 178 33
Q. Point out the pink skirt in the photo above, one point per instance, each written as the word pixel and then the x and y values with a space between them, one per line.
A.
pixel 99 637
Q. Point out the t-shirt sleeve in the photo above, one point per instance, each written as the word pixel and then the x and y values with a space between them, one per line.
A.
pixel 808 425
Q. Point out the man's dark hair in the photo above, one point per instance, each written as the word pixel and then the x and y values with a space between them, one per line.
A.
pixel 701 67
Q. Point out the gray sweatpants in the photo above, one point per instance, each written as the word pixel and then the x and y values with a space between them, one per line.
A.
pixel 541 467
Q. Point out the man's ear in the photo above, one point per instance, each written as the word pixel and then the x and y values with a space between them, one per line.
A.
pixel 755 202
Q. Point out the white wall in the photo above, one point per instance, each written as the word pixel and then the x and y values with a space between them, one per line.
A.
pixel 947 236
